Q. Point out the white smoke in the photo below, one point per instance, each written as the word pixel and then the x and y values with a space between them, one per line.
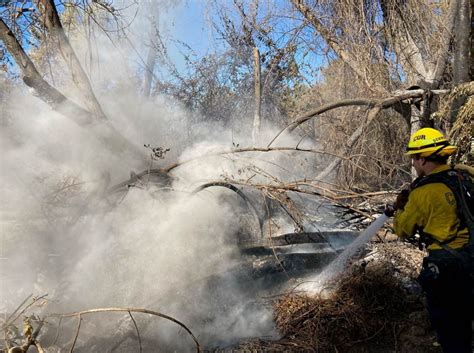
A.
pixel 157 246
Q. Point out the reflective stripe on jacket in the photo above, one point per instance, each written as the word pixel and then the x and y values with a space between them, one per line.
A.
pixel 431 208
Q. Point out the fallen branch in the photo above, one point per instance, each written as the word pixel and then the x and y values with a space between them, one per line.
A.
pixel 294 187
pixel 163 173
pixel 129 310
pixel 238 192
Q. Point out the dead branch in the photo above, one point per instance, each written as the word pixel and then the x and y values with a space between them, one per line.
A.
pixel 30 339
pixel 254 149
pixel 138 332
pixel 128 310
pixel 373 113
pixel 350 143
pixel 372 103
pixel 21 309
pixel 239 192
pixel 270 238
pixel 294 187
pixel 164 172
pixel 346 55
pixel 39 347
pixel 8 320
pixel 77 333
pixel 287 205
pixel 364 194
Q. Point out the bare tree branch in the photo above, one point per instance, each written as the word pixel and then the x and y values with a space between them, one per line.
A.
pixel 382 103
pixel 350 143
pixel 331 40
pixel 163 173
pixel 376 104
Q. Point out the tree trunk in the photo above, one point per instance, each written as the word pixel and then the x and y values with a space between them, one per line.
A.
pixel 471 50
pixel 106 133
pixel 461 48
pixel 461 61
pixel 152 50
pixel 150 65
pixel 53 24
pixel 33 79
pixel 258 96
pixel 435 75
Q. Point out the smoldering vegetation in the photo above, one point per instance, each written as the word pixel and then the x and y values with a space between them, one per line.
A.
pixel 89 228
pixel 154 243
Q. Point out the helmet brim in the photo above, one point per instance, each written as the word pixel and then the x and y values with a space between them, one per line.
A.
pixel 426 152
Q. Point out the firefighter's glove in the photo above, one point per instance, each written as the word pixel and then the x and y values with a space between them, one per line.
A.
pixel 401 200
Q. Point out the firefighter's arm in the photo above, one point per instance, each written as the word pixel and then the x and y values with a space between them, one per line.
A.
pixel 407 220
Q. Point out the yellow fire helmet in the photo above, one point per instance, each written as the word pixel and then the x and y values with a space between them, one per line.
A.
pixel 427 142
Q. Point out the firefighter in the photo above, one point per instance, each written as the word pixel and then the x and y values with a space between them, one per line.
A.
pixel 435 208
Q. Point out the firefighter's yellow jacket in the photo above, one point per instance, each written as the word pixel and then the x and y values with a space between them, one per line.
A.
pixel 431 208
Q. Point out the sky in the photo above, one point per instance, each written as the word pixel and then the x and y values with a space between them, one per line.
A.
pixel 189 22
pixel 186 26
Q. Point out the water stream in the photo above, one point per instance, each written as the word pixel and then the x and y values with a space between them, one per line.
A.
pixel 339 264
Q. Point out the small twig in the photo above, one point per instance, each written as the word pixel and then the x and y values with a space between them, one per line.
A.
pixel 354 195
pixel 368 338
pixel 270 238
pixel 9 320
pixel 149 168
pixel 15 311
pixel 39 347
pixel 57 331
pixel 138 331
pixel 77 334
